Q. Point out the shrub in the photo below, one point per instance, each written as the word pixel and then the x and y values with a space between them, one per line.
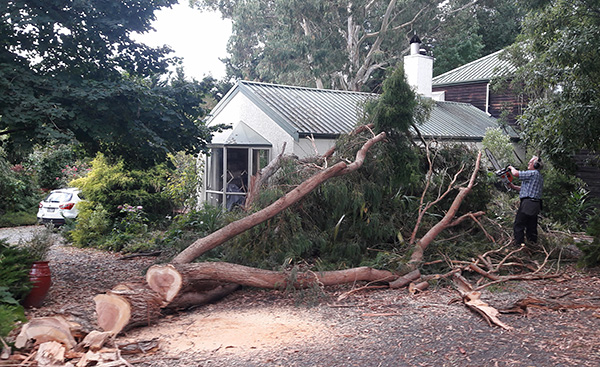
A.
pixel 566 199
pixel 15 263
pixel 591 251
pixel 93 223
pixel 50 162
pixel 112 184
pixel 10 312
pixel 18 193
pixel 183 181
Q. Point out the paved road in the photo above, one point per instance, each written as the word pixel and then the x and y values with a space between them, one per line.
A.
pixel 14 234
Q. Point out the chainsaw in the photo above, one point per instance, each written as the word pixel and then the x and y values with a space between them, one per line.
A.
pixel 503 174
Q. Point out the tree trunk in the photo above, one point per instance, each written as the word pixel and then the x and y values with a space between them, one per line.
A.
pixel 253 277
pixel 231 230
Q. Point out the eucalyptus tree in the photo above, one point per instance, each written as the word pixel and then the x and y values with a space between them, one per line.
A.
pixel 70 70
pixel 335 44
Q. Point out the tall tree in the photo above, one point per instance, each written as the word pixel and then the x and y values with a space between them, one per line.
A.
pixel 559 71
pixel 70 70
pixel 337 44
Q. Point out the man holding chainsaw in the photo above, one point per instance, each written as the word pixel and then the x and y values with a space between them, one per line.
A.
pixel 530 193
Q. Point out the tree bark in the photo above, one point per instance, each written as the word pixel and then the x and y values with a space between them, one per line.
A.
pixel 446 221
pixel 253 277
pixel 406 279
pixel 231 230
pixel 122 309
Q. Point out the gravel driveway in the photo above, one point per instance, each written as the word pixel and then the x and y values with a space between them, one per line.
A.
pixel 25 233
pixel 377 328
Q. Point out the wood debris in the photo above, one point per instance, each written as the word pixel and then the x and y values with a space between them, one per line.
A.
pixel 48 341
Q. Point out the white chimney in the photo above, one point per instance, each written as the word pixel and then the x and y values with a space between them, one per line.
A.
pixel 418 68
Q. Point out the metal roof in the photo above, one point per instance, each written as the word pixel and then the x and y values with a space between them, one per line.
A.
pixel 305 111
pixel 483 69
pixel 323 112
pixel 241 134
pixel 458 121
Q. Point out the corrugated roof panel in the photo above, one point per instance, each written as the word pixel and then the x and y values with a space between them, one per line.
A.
pixel 312 111
pixel 460 121
pixel 485 68
pixel 308 111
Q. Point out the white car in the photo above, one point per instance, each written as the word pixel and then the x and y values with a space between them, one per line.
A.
pixel 58 205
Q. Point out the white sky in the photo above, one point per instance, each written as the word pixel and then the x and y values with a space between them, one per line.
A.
pixel 200 38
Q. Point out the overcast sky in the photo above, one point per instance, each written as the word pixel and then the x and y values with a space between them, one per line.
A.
pixel 200 38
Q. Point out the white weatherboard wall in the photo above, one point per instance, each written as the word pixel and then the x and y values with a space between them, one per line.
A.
pixel 240 108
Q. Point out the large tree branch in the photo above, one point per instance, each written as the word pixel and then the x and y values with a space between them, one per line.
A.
pixel 446 221
pixel 231 230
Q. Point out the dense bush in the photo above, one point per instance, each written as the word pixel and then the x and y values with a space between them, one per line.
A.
pixel 566 200
pixel 50 163
pixel 112 185
pixel 18 193
pixel 591 251
pixel 15 263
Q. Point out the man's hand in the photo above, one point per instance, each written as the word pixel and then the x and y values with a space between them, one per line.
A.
pixel 513 171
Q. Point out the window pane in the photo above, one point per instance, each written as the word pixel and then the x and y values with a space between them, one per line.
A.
pixel 214 170
pixel 260 159
pixel 237 169
pixel 214 199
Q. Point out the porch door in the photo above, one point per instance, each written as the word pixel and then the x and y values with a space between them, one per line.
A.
pixel 228 172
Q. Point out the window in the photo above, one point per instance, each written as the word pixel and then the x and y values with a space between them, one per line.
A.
pixel 228 172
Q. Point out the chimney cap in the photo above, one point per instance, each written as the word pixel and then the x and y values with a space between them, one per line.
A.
pixel 415 39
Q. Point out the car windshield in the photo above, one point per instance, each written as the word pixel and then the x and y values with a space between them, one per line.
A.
pixel 58 197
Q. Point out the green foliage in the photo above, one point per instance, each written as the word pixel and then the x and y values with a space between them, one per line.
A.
pixel 187 228
pixel 128 230
pixel 307 42
pixel 39 244
pixel 560 76
pixel 112 184
pixel 17 188
pixel 591 251
pixel 93 223
pixel 566 199
pixel 182 182
pixel 10 312
pixel 50 162
pixel 457 42
pixel 15 219
pixel 72 72
pixel 499 144
pixel 15 263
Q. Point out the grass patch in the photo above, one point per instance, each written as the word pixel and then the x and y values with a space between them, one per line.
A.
pixel 15 219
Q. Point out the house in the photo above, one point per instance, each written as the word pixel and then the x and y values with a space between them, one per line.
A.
pixel 266 117
pixel 472 83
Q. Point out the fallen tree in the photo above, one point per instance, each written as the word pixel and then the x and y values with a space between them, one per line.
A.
pixel 233 229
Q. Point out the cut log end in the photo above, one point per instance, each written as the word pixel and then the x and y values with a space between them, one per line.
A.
pixel 164 280
pixel 114 312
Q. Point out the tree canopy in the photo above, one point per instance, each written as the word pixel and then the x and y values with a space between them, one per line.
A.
pixel 70 70
pixel 558 55
pixel 349 44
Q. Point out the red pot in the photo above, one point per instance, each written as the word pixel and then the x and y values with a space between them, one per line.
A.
pixel 41 278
